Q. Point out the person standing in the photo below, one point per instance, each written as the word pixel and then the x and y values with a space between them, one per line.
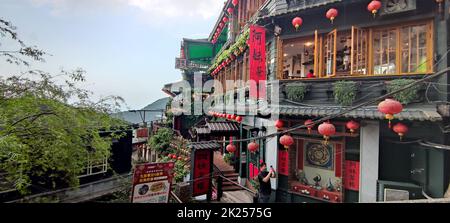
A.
pixel 265 188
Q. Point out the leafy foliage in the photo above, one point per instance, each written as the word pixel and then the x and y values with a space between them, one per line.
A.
pixel 161 140
pixel 344 92
pixel 406 96
pixel 296 92
pixel 241 43
pixel 181 168
pixel 49 127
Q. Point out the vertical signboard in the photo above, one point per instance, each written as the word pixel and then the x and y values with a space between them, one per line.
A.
pixel 152 183
pixel 283 162
pixel 202 170
pixel 351 177
pixel 257 60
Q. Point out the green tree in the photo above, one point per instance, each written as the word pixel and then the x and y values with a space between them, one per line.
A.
pixel 160 141
pixel 49 127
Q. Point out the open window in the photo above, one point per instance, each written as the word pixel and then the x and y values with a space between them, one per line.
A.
pixel 299 58
pixel 359 50
pixel 329 70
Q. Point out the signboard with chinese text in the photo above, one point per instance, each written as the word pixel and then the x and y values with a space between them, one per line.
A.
pixel 152 182
pixel 351 177
pixel 283 162
pixel 202 170
pixel 257 60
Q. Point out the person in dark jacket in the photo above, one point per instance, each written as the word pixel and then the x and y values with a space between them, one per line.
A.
pixel 265 189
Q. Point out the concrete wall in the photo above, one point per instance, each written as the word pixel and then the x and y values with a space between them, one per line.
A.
pixel 369 158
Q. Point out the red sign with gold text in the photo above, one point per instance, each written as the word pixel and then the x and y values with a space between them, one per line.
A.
pixel 152 183
pixel 351 177
pixel 257 60
pixel 283 162
pixel 202 169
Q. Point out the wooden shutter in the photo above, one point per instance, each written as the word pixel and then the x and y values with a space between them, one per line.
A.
pixel 359 52
pixel 330 54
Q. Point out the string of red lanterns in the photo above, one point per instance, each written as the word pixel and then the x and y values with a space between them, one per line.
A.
pixel 390 107
pixel 332 14
pixel 252 147
pixel 286 141
pixel 326 129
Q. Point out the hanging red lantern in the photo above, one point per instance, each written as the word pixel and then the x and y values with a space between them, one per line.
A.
pixel 352 126
pixel 235 2
pixel 326 129
pixel 400 129
pixel 230 11
pixel 221 24
pixel 390 107
pixel 373 7
pixel 309 124
pixel 279 124
pixel 174 156
pixel 180 158
pixel 225 19
pixel 170 156
pixel 297 22
pixel 286 141
pixel 231 148
pixel 233 117
pixel 238 119
pixel 332 14
pixel 229 116
pixel 252 147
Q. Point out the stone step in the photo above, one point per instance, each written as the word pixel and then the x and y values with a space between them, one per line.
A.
pixel 240 196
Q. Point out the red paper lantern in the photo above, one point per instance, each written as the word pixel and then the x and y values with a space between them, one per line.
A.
pixel 400 129
pixel 279 124
pixel 225 19
pixel 286 141
pixel 309 124
pixel 326 129
pixel 352 126
pixel 170 156
pixel 374 6
pixel 228 116
pixel 231 148
pixel 230 11
pixel 174 156
pixel 180 158
pixel 221 24
pixel 235 2
pixel 233 117
pixel 252 147
pixel 332 14
pixel 297 22
pixel 390 107
pixel 238 119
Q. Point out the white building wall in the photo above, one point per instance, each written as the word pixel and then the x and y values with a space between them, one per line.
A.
pixel 369 161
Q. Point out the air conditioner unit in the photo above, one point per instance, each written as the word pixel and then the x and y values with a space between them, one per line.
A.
pixel 392 191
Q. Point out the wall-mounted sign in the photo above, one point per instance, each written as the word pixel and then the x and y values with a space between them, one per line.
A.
pixel 351 176
pixel 396 6
pixel 257 46
pixel 202 170
pixel 152 183
pixel 283 162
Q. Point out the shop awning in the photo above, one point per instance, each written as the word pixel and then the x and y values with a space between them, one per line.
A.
pixel 371 112
pixel 222 126
pixel 204 145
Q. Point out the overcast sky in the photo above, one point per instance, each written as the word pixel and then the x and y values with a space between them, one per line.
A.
pixel 127 47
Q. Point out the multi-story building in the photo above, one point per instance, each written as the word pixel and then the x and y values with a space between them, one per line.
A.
pixel 331 59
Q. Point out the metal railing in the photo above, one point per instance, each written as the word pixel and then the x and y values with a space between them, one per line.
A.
pixel 220 177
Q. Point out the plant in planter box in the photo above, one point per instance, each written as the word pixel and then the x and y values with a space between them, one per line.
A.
pixel 228 157
pixel 344 92
pixel 296 92
pixel 406 96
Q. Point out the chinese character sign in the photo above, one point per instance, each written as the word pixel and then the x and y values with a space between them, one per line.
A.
pixel 257 60
pixel 202 170
pixel 283 162
pixel 351 178
pixel 152 183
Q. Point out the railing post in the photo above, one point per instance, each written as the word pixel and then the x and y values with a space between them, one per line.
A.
pixel 219 187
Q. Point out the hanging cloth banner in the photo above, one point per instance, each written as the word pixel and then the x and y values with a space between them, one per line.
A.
pixel 257 46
